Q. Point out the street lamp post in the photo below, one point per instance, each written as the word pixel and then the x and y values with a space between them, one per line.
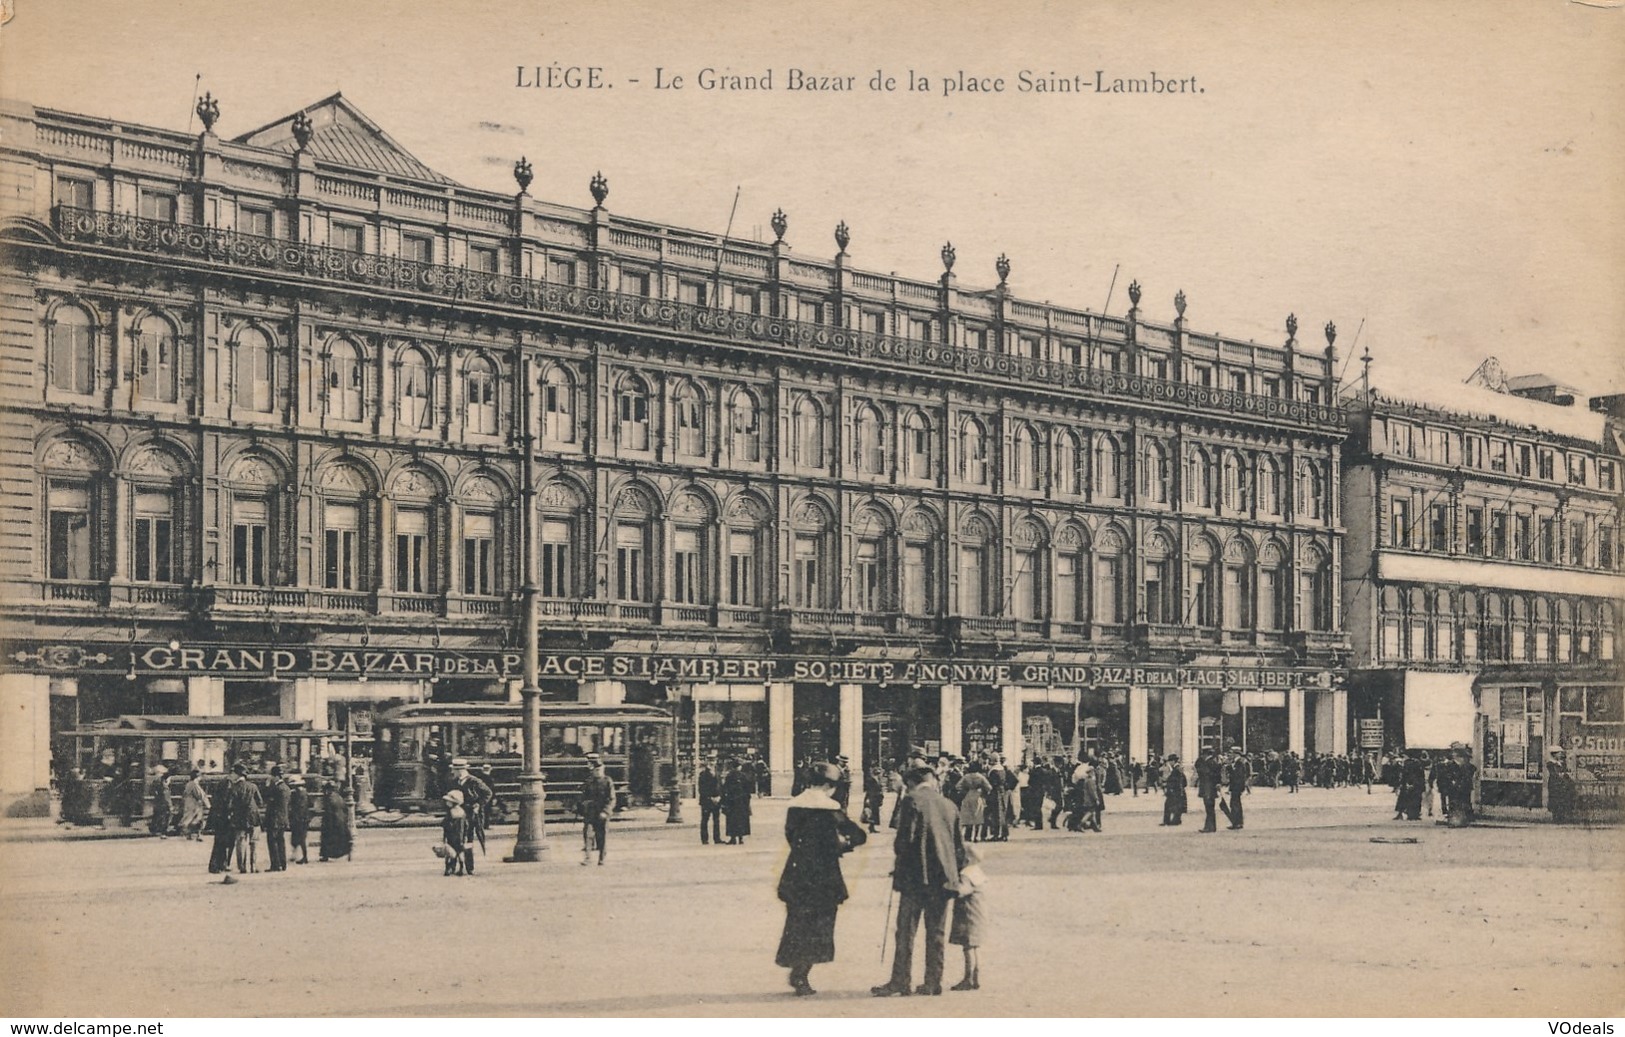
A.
pixel 529 847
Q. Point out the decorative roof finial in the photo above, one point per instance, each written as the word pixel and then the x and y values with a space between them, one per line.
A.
pixel 948 257
pixel 208 110
pixel 1331 333
pixel 780 223
pixel 1002 265
pixel 523 174
pixel 1179 302
pixel 1292 325
pixel 599 188
pixel 1134 293
pixel 303 130
pixel 843 236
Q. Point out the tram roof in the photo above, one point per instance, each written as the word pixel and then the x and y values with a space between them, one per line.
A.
pixel 430 712
pixel 149 726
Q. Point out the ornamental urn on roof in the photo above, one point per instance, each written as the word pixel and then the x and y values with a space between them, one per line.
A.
pixel 1179 302
pixel 523 174
pixel 303 130
pixel 948 257
pixel 843 236
pixel 208 110
pixel 1134 292
pixel 780 223
pixel 599 188
pixel 1292 325
pixel 1331 333
pixel 1002 266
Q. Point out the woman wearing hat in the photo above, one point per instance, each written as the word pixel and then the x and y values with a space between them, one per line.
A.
pixel 335 842
pixel 812 888
pixel 454 833
pixel 298 817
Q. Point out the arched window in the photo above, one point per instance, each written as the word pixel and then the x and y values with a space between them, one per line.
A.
pixel 632 413
pixel 346 380
pixel 1565 630
pixel 976 577
pixel 870 429
pixel 70 349
pixel 156 513
pixel 1067 481
pixel 810 560
pixel 255 371
pixel 558 406
pixel 688 408
pixel 1269 486
pixel 480 383
pixel 872 568
pixel 1203 592
pixel 75 502
pixel 745 426
pixel 747 518
pixel 1199 472
pixel 561 530
pixel 345 514
pixel 1311 490
pixel 1030 581
pixel 1108 468
pixel 255 484
pixel 1416 616
pixel 1154 473
pixel 1471 623
pixel 155 361
pixel 419 528
pixel 1239 597
pixel 1028 461
pixel 1444 626
pixel 1314 591
pixel 1493 629
pixel 692 522
pixel 1111 582
pixel 1273 588
pixel 1156 581
pixel 415 390
pixel 919 568
pixel 483 505
pixel 1235 487
pixel 1071 576
pixel 917 443
pixel 973 452
pixel 808 431
pixel 631 525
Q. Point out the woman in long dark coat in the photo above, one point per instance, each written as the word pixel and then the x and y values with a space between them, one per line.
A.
pixel 1412 783
pixel 163 811
pixel 1174 803
pixel 736 795
pixel 812 887
pixel 335 842
pixel 299 817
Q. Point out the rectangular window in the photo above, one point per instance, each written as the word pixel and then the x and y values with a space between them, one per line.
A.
pixel 1272 387
pixel 1577 469
pixel 1109 590
pixel 971 587
pixel 1202 374
pixel 156 205
pixel 412 552
pixel 747 300
pixel 809 593
pixel 1498 535
pixel 75 192
pixel 1474 449
pixel 872 321
pixel 691 292
pixel 631 574
pixel 419 248
pixel 917 591
pixel 483 259
pixel 1475 531
pixel 555 560
pixel 561 271
pixel 1026 594
pixel 1605 475
pixel 1111 360
pixel 1498 455
pixel 479 554
pixel 153 561
pixel 919 329
pixel 810 311
pixel 1234 598
pixel 976 338
pixel 871 577
pixel 339 558
pixel 687 577
pixel 1439 528
pixel 1547 465
pixel 1399 522
pixel 1238 381
pixel 68 550
pixel 1068 589
pixel 1525 458
pixel 1401 438
pixel 1577 542
pixel 254 221
pixel 1027 346
pixel 1548 540
pixel 1605 548
pixel 1523 538
pixel 635 282
pixel 250 540
pixel 348 236
pixel 1154 367
pixel 742 569
pixel 1072 354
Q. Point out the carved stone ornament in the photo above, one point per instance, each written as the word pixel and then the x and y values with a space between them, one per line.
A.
pixel 1028 534
pixel 746 509
pixel 810 516
pixel 523 174
pixel 1110 542
pixel 948 257
pixel 780 224
pixel 974 527
pixel 303 130
pixel 254 471
pixel 689 505
pixel 920 521
pixel 843 236
pixel 70 457
pixel 414 482
pixel 558 496
pixel 599 188
pixel 1134 292
pixel 1069 536
pixel 1235 552
pixel 343 478
pixel 1002 267
pixel 208 111
pixel 482 489
pixel 630 503
pixel 152 461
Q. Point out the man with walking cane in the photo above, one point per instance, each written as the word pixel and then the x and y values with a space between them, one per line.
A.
pixel 925 875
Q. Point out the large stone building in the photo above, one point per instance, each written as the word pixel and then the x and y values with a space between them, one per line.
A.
pixel 1483 588
pixel 266 400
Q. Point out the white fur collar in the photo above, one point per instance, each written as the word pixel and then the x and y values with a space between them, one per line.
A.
pixel 815 798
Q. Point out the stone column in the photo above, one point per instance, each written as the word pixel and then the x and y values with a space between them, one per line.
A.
pixel 1138 728
pixel 305 699
pixel 205 696
pixel 781 735
pixel 1011 741
pixel 1172 727
pixel 602 693
pixel 25 744
pixel 1340 720
pixel 851 710
pixel 1190 723
pixel 1294 719
pixel 953 721
pixel 1325 721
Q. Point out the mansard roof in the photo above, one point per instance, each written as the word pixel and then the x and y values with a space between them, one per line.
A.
pixel 343 136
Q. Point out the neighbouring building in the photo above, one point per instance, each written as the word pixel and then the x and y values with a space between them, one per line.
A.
pixel 265 404
pixel 1483 580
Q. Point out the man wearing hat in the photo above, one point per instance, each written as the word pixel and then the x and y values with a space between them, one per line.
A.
pixel 276 820
pixel 1208 773
pixel 244 810
pixel 454 833
pixel 929 848
pixel 710 792
pixel 1239 783
pixel 843 784
pixel 1173 793
pixel 477 797
pixel 597 797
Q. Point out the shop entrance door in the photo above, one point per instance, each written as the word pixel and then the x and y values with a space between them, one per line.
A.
pixel 1263 729
pixel 817 723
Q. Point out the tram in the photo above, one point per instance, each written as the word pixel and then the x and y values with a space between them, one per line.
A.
pixel 415 744
pixel 118 763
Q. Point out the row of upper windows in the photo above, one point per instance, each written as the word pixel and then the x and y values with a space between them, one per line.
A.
pixel 1445 625
pixel 1487 531
pixel 1475 450
pixel 646 282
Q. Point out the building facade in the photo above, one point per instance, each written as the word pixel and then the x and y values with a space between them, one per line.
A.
pixel 267 400
pixel 1484 584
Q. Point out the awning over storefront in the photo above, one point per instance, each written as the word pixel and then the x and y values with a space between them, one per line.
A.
pixel 1438 709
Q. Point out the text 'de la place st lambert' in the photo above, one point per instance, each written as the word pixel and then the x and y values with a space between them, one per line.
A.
pixel 958 83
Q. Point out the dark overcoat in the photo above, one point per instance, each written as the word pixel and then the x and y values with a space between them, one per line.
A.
pixel 811 885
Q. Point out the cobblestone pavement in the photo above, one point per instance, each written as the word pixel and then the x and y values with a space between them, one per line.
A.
pixel 1302 913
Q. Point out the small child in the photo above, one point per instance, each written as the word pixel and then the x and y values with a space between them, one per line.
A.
pixel 970 918
pixel 454 832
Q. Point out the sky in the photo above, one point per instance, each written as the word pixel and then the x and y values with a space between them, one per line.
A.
pixel 1445 181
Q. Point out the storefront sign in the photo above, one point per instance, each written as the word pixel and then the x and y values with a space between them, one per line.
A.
pixel 1371 734
pixel 176 659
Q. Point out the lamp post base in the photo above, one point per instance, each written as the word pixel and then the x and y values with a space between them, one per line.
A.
pixel 674 814
pixel 531 846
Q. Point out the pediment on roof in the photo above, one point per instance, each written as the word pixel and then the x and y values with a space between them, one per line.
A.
pixel 341 135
